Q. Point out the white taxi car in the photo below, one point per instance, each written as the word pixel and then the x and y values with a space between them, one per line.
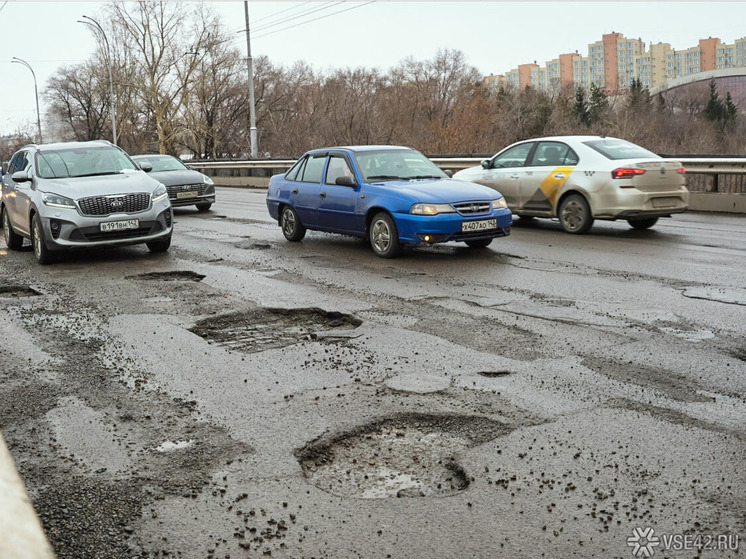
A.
pixel 578 179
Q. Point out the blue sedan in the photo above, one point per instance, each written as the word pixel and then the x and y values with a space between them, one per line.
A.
pixel 393 196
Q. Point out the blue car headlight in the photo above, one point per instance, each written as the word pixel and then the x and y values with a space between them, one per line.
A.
pixel 499 204
pixel 431 209
pixel 57 201
pixel 159 193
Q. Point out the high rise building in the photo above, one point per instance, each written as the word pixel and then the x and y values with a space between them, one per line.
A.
pixel 614 61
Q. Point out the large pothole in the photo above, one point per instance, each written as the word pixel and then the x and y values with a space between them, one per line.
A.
pixel 17 291
pixel 409 455
pixel 264 329
pixel 178 275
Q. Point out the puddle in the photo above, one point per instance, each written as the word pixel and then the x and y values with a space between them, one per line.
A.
pixel 17 291
pixel 494 374
pixel 170 446
pixel 264 329
pixel 410 455
pixel 184 275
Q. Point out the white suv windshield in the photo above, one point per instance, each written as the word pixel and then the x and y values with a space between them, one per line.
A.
pixel 82 162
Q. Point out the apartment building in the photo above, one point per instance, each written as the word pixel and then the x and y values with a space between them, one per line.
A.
pixel 614 61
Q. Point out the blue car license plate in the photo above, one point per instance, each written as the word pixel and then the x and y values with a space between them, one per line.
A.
pixel 479 225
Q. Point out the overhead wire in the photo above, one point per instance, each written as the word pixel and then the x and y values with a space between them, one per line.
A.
pixel 312 20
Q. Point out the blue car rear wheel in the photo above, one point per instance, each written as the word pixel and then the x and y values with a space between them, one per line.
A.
pixel 292 228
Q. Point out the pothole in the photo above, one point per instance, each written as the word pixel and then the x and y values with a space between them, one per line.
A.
pixel 17 291
pixel 264 329
pixel 494 374
pixel 410 455
pixel 181 275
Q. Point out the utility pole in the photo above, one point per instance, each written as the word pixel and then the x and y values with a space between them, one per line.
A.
pixel 252 114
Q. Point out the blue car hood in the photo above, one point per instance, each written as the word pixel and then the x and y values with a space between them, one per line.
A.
pixel 443 191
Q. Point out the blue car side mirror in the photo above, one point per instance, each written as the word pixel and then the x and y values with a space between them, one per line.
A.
pixel 346 181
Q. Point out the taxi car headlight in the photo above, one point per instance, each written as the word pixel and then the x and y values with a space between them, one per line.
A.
pixel 499 204
pixel 57 201
pixel 431 209
pixel 160 193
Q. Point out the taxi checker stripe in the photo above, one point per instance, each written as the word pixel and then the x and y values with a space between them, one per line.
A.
pixel 551 185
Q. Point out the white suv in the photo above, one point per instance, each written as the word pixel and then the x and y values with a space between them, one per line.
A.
pixel 81 195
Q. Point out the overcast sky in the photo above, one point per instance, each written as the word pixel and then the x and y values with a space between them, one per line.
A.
pixel 495 36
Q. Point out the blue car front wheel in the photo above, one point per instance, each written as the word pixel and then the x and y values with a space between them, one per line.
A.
pixel 384 238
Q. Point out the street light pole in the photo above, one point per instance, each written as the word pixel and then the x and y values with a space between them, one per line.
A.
pixel 112 102
pixel 252 115
pixel 36 93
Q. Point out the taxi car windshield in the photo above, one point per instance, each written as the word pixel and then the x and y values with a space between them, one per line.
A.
pixel 619 149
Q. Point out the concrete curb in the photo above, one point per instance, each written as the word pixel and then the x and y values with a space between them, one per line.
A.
pixel 21 534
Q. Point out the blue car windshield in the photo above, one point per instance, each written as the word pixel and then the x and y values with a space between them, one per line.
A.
pixel 82 162
pixel 396 165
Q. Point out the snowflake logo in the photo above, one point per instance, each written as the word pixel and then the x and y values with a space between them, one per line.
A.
pixel 643 542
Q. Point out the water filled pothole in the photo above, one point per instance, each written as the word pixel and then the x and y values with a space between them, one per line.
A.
pixel 17 291
pixel 264 329
pixel 494 374
pixel 179 275
pixel 410 455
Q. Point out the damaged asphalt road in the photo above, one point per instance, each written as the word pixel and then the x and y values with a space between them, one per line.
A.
pixel 243 396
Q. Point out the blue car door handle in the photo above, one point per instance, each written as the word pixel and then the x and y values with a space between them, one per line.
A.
pixel 323 194
pixel 295 191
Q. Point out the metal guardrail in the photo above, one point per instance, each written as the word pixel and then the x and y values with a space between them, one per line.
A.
pixel 710 169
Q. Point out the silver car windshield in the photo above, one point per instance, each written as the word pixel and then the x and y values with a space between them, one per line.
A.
pixel 82 162
pixel 396 165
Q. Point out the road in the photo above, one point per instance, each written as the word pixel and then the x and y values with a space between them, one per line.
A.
pixel 551 395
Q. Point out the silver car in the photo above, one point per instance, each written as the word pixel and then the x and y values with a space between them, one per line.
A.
pixel 577 179
pixel 82 195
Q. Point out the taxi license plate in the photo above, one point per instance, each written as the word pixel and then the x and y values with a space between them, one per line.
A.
pixel 190 194
pixel 479 225
pixel 120 225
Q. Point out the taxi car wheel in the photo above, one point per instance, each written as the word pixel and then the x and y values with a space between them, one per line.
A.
pixel 159 245
pixel 642 223
pixel 384 238
pixel 203 207
pixel 479 243
pixel 575 215
pixel 42 253
pixel 292 228
pixel 12 239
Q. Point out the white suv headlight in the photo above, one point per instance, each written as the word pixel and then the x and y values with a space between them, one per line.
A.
pixel 159 193
pixel 431 209
pixel 498 204
pixel 57 201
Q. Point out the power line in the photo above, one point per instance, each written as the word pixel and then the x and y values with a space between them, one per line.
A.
pixel 308 12
pixel 315 19
pixel 283 11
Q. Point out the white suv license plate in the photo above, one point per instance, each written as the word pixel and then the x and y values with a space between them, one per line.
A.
pixel 120 225
pixel 190 194
pixel 479 225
